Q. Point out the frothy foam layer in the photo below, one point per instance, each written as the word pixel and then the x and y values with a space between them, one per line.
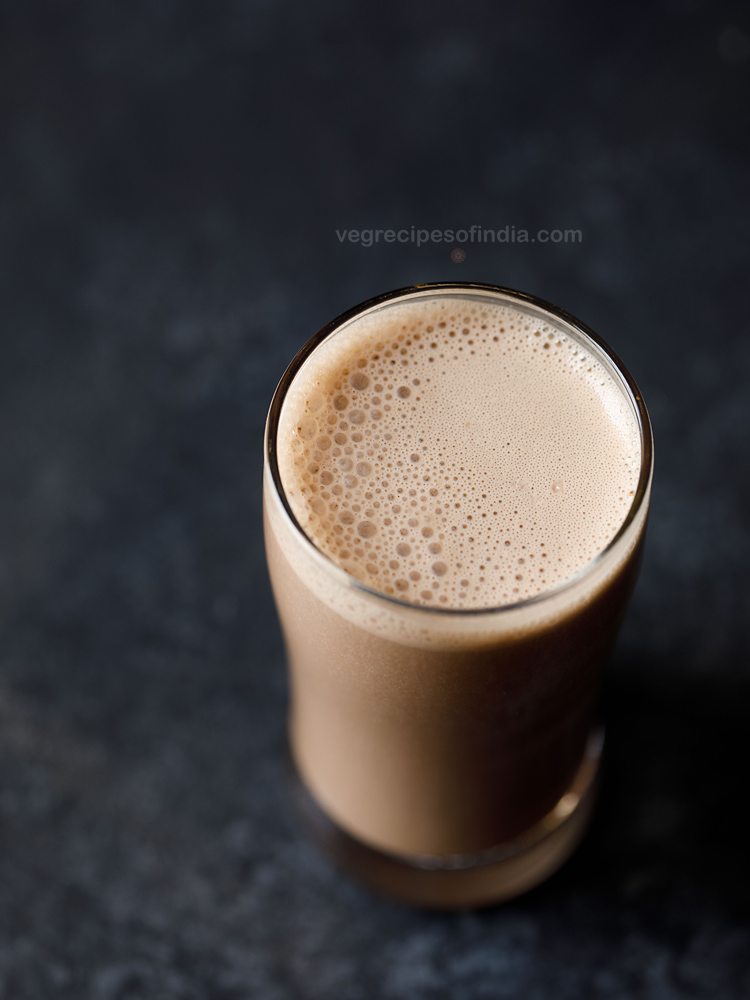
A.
pixel 457 453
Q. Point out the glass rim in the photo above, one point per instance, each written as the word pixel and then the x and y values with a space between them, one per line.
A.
pixel 446 287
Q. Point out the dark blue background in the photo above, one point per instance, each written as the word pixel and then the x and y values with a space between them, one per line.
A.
pixel 171 178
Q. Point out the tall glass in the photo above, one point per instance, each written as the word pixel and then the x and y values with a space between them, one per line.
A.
pixel 448 756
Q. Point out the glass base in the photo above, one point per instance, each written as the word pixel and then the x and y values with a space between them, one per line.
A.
pixel 467 881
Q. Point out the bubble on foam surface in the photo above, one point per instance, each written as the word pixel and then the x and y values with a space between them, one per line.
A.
pixel 458 453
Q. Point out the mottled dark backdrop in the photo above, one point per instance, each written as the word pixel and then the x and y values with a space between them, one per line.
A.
pixel 171 179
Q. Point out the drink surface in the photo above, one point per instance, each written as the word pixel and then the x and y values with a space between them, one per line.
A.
pixel 458 453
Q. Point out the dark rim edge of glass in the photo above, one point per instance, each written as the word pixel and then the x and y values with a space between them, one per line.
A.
pixel 644 423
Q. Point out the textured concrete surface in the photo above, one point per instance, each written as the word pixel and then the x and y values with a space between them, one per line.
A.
pixel 170 182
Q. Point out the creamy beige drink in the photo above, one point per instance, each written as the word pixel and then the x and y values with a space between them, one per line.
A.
pixel 455 498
